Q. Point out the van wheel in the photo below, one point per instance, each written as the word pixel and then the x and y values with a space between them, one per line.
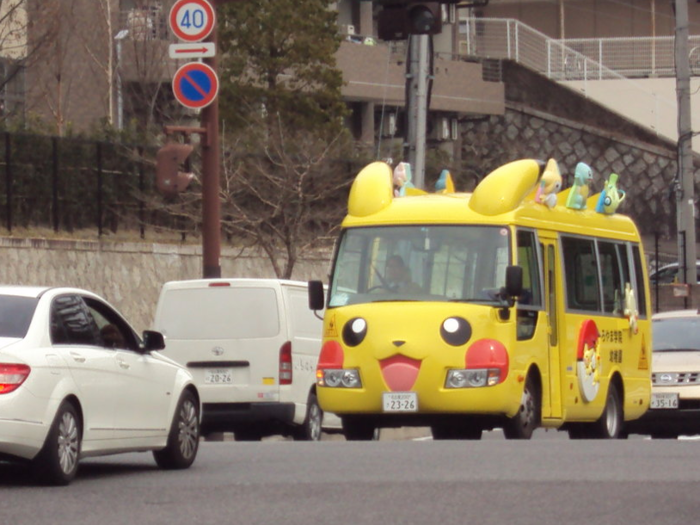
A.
pixel 310 429
pixel 57 463
pixel 357 429
pixel 183 439
pixel 249 434
pixel 524 423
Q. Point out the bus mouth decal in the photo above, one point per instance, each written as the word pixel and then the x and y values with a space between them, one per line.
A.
pixel 400 372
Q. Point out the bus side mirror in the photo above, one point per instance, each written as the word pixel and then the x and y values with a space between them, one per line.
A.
pixel 514 281
pixel 316 299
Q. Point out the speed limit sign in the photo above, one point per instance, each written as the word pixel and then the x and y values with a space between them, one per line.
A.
pixel 192 20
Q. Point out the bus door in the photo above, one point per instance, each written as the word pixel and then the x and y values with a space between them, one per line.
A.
pixel 551 268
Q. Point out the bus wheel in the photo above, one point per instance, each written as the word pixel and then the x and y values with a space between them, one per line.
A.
pixel 524 423
pixel 357 429
pixel 609 425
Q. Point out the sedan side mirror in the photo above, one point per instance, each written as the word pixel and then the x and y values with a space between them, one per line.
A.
pixel 153 340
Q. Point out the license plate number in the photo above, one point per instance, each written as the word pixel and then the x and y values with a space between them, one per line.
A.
pixel 400 402
pixel 218 376
pixel 664 401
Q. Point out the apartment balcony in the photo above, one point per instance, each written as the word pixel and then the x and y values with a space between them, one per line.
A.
pixel 377 73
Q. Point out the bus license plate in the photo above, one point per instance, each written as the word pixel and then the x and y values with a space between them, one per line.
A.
pixel 218 376
pixel 664 401
pixel 400 402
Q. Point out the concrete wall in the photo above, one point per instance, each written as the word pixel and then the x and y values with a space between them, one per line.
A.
pixel 129 275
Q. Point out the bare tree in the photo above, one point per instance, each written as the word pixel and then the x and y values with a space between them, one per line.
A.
pixel 24 36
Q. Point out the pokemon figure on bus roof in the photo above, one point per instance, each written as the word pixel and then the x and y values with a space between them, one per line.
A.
pixel 402 179
pixel 549 185
pixel 444 184
pixel 610 197
pixel 583 176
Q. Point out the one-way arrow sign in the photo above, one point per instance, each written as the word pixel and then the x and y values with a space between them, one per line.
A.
pixel 192 50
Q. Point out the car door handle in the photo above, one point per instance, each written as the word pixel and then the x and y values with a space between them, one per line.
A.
pixel 123 364
pixel 77 357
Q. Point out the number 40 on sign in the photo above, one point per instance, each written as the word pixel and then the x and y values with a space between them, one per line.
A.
pixel 192 20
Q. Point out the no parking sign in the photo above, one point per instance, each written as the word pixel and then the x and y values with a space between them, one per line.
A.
pixel 195 85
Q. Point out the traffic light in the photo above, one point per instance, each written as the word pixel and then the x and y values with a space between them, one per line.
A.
pixel 169 179
pixel 401 18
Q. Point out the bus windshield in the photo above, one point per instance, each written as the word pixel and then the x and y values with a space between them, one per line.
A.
pixel 420 263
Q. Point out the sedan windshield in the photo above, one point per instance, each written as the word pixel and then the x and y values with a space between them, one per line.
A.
pixel 420 263
pixel 15 315
pixel 676 334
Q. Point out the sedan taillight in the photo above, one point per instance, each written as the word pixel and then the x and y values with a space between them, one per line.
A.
pixel 12 376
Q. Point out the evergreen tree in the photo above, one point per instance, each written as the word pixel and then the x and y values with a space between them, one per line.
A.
pixel 278 60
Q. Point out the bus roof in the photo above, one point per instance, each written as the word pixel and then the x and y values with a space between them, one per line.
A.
pixel 507 196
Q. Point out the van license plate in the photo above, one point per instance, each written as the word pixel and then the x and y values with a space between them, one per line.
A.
pixel 218 376
pixel 400 402
pixel 664 401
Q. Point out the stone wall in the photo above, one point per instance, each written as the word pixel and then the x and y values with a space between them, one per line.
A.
pixel 546 120
pixel 129 275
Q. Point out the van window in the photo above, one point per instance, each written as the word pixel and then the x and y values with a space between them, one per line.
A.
pixel 219 313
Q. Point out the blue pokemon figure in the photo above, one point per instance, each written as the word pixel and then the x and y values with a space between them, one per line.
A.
pixel 583 176
pixel 444 184
pixel 611 197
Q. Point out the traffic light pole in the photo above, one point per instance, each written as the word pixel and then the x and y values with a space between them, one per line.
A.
pixel 417 80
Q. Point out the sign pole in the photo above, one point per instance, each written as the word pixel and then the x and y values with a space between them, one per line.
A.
pixel 211 206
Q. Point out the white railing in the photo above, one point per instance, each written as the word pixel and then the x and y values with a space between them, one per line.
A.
pixel 511 39
pixel 637 56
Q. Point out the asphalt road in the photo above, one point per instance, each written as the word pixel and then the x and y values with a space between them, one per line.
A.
pixel 544 481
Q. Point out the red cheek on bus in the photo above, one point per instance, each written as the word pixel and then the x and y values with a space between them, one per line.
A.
pixel 488 353
pixel 331 356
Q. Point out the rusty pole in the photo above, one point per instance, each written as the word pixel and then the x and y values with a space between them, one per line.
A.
pixel 211 207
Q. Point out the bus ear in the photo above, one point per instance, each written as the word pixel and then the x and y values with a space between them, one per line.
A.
pixel 372 190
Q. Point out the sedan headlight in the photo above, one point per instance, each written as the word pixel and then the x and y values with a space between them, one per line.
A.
pixel 472 378
pixel 339 378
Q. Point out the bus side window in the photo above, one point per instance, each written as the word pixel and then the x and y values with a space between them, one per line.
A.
pixel 529 261
pixel 581 271
pixel 614 271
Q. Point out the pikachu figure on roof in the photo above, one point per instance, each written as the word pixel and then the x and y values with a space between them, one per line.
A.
pixel 549 185
pixel 583 176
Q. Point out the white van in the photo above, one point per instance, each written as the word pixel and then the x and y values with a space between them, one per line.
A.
pixel 252 346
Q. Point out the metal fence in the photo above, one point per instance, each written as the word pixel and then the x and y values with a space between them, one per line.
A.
pixel 579 61
pixel 73 184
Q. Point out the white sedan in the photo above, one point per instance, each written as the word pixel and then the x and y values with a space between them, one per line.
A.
pixel 77 381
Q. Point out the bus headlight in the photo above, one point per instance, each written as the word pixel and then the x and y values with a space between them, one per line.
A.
pixel 472 378
pixel 339 378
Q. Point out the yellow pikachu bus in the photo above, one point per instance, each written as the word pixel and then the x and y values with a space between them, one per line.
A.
pixel 512 307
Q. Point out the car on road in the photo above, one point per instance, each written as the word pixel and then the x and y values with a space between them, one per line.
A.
pixel 675 400
pixel 77 381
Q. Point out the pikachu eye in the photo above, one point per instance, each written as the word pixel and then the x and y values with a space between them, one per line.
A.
pixel 455 331
pixel 354 331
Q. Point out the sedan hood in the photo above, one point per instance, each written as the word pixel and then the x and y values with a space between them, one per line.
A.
pixel 688 361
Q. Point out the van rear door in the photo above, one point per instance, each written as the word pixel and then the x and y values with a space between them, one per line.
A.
pixel 228 336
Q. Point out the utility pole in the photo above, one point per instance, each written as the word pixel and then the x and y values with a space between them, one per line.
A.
pixel 417 79
pixel 685 183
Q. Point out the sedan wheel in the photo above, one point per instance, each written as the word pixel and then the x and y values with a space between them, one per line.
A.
pixel 183 440
pixel 57 463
